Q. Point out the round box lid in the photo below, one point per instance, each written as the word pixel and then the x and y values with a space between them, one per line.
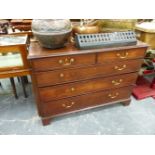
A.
pixel 146 27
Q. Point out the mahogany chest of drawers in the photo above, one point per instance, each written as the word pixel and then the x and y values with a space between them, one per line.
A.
pixel 68 80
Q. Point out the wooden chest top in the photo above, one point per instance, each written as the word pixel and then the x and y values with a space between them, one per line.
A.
pixel 36 51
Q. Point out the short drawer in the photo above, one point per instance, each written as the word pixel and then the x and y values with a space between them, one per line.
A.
pixel 83 87
pixel 69 75
pixel 84 101
pixel 119 55
pixel 63 62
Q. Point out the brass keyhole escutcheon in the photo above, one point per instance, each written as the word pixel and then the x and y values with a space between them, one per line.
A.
pixel 72 89
pixel 60 61
pixel 72 60
pixel 61 75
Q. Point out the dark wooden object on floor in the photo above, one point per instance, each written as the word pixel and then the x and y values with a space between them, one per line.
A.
pixel 68 80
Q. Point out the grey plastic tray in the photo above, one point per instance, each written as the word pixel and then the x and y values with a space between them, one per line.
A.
pixel 88 41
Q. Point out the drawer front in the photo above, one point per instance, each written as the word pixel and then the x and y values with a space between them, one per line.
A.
pixel 83 87
pixel 120 55
pixel 84 101
pixel 63 62
pixel 61 76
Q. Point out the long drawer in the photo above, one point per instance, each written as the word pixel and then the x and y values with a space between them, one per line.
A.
pixel 77 88
pixel 106 57
pixel 69 75
pixel 85 101
pixel 63 62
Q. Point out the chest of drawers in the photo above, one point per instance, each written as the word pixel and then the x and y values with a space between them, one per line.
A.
pixel 68 80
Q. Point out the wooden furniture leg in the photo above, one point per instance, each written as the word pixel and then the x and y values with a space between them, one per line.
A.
pixel 13 87
pixel 46 121
pixel 126 103
pixel 0 85
pixel 23 85
pixel 25 79
pixel 18 79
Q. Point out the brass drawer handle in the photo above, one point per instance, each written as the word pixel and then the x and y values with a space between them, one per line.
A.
pixel 68 106
pixel 113 96
pixel 61 75
pixel 66 62
pixel 117 82
pixel 122 56
pixel 120 68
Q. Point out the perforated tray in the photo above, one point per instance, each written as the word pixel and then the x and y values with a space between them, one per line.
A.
pixel 87 41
